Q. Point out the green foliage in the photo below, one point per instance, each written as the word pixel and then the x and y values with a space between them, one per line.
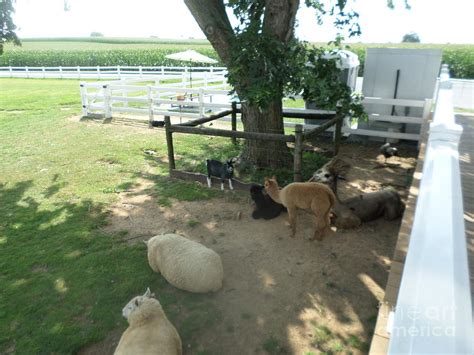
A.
pixel 321 83
pixel 112 57
pixel 86 51
pixel 7 27
pixel 411 37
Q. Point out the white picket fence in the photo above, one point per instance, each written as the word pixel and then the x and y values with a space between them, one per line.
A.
pixel 433 314
pixel 210 95
pixel 110 72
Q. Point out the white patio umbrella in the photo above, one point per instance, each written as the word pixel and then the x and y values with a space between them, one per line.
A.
pixel 191 56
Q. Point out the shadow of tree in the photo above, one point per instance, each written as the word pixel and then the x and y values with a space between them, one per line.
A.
pixel 63 281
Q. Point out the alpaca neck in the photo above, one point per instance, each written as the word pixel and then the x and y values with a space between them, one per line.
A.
pixel 274 193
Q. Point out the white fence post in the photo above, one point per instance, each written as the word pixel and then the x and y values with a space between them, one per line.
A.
pixel 84 100
pixel 150 106
pixel 201 102
pixel 44 72
pixel 11 71
pixel 27 72
pixel 98 72
pixel 118 72
pixel 140 71
pixel 79 72
pixel 107 102
pixel 433 312
pixel 61 72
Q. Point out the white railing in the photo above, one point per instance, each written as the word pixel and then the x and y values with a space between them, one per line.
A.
pixel 140 97
pixel 209 94
pixel 433 313
pixel 109 72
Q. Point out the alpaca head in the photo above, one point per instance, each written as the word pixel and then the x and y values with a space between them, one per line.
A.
pixel 271 184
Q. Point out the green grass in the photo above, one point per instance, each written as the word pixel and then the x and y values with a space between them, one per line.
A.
pixel 64 282
pixel 271 346
pixel 329 343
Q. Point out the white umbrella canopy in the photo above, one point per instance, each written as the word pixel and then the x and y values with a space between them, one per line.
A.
pixel 191 56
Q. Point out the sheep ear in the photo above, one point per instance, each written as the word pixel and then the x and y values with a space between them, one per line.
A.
pixel 147 293
pixel 136 303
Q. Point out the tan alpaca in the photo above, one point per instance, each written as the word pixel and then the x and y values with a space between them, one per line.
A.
pixel 305 195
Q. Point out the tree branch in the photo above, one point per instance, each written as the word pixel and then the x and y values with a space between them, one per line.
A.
pixel 214 23
pixel 280 17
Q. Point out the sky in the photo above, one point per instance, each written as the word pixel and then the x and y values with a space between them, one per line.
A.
pixel 435 21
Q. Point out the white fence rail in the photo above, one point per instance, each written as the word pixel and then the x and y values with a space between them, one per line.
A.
pixel 110 72
pixel 434 312
pixel 209 95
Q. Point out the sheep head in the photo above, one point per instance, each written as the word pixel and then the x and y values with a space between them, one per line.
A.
pixel 136 302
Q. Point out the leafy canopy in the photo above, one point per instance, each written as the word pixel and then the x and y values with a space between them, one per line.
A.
pixel 411 37
pixel 7 27
pixel 264 68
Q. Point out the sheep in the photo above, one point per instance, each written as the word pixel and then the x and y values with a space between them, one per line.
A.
pixel 185 264
pixel 220 170
pixel 149 330
pixel 265 207
pixel 305 195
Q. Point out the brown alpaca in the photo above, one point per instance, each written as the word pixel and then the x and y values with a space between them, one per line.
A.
pixel 305 195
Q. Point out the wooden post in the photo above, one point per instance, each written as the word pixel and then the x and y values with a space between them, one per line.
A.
pixel 169 143
pixel 234 121
pixel 298 153
pixel 338 133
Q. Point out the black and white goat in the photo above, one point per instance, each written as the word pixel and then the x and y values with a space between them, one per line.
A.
pixel 388 151
pixel 221 170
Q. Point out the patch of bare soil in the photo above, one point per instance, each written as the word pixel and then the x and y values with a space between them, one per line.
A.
pixel 279 293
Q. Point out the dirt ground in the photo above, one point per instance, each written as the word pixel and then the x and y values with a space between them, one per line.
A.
pixel 279 291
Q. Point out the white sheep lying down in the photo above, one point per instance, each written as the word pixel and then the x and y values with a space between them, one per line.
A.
pixel 149 330
pixel 185 264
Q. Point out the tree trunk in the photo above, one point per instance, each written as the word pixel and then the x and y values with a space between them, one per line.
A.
pixel 279 20
pixel 265 153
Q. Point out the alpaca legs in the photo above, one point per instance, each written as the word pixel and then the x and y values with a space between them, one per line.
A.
pixel 292 220
pixel 322 213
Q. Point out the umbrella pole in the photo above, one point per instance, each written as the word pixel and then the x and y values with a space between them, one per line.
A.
pixel 191 81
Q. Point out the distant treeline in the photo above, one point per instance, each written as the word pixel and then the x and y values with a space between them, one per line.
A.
pixel 103 51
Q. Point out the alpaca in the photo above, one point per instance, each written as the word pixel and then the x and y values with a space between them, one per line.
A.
pixel 265 207
pixel 304 195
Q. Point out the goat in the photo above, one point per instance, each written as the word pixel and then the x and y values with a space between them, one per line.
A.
pixel 220 170
pixel 388 151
